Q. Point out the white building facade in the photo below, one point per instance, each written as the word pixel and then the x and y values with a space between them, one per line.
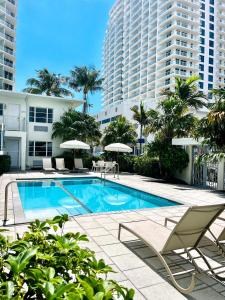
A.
pixel 26 127
pixel 8 13
pixel 149 42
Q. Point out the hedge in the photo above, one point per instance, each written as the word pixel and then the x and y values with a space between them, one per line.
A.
pixel 5 163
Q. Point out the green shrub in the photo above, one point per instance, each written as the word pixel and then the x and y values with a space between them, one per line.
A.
pixel 5 162
pixel 174 158
pixel 45 265
pixel 147 166
pixel 171 158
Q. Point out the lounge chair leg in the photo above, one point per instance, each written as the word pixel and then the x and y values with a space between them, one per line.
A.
pixel 187 290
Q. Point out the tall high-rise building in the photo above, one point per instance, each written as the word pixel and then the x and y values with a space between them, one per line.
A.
pixel 149 42
pixel 8 12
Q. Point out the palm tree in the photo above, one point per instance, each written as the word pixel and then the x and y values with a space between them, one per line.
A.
pixel 186 90
pixel 119 131
pixel 212 127
pixel 46 83
pixel 76 125
pixel 171 119
pixel 85 80
pixel 141 116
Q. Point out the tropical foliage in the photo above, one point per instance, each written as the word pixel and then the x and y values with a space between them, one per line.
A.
pixel 171 119
pixel 212 127
pixel 174 119
pixel 46 83
pixel 85 80
pixel 45 263
pixel 76 125
pixel 186 91
pixel 141 116
pixel 146 165
pixel 119 131
pixel 171 158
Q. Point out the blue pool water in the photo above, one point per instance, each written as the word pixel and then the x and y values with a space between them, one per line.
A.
pixel 46 199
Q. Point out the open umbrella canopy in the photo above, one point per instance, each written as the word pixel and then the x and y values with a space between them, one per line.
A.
pixel 74 144
pixel 118 147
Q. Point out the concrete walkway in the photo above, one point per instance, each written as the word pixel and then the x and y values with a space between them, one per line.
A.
pixel 132 260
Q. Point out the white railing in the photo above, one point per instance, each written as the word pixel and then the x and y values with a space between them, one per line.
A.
pixel 13 123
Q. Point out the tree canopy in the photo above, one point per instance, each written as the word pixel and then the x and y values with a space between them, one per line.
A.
pixel 119 131
pixel 76 125
pixel 46 83
pixel 85 80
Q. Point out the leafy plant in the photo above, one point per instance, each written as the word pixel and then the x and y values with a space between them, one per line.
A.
pixel 119 131
pixel 171 158
pixel 45 263
pixel 5 162
pixel 76 125
pixel 147 166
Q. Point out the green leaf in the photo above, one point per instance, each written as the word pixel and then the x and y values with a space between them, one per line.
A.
pixel 8 288
pixel 99 296
pixel 18 263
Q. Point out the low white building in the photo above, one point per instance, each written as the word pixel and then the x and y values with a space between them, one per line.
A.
pixel 26 126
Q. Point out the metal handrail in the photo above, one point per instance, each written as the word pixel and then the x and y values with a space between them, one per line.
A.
pixel 36 180
pixel 112 168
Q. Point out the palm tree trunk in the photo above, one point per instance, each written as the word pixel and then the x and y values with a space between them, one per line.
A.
pixel 85 106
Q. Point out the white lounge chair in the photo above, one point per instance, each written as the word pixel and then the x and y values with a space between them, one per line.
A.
pixel 78 165
pixel 186 235
pixel 60 165
pixel 47 165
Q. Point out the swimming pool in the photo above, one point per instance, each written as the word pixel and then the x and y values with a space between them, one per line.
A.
pixel 80 195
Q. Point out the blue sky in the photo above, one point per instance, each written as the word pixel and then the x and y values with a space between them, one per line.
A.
pixel 58 35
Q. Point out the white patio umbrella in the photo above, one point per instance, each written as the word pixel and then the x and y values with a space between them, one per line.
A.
pixel 74 144
pixel 118 147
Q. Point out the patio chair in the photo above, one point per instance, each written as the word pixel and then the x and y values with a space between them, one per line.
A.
pixel 47 165
pixel 101 165
pixel 78 165
pixel 186 235
pixel 215 233
pixel 60 165
pixel 95 166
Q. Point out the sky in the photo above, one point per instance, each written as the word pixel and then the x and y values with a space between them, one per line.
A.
pixel 59 35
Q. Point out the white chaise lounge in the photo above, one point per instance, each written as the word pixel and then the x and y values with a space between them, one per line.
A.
pixel 47 165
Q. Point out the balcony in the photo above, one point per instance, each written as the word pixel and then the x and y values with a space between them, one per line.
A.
pixel 12 123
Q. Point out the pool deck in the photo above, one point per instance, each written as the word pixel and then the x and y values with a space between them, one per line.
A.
pixel 131 259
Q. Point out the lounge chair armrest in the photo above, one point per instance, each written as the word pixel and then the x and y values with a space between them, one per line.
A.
pixel 169 220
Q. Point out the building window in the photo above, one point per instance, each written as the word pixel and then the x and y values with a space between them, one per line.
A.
pixel 210 86
pixel 41 115
pixel 211 61
pixel 8 87
pixel 211 78
pixel 1 109
pixel 211 52
pixel 211 26
pixel 211 43
pixel 201 68
pixel 201 85
pixel 40 148
pixel 210 69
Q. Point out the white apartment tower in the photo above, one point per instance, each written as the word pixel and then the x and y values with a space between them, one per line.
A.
pixel 8 12
pixel 149 42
